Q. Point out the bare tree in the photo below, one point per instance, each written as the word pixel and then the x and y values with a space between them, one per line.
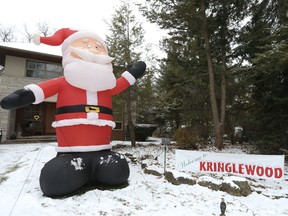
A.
pixel 28 35
pixel 126 35
pixel 44 29
pixel 7 34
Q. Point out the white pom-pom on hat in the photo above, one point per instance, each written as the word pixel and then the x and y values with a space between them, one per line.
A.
pixel 36 39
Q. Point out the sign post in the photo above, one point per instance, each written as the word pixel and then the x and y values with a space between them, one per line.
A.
pixel 165 142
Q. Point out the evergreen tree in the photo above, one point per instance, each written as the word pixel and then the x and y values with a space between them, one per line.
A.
pixel 126 36
pixel 265 42
pixel 203 34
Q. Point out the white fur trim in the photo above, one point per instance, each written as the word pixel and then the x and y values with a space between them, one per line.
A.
pixel 83 148
pixel 70 122
pixel 129 77
pixel 37 91
pixel 36 39
pixel 82 34
pixel 92 99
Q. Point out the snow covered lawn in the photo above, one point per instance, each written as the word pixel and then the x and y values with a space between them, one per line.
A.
pixel 20 195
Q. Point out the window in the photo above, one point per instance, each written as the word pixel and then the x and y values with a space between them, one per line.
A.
pixel 118 112
pixel 118 119
pixel 43 70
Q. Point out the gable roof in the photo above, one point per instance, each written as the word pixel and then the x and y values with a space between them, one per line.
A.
pixel 30 50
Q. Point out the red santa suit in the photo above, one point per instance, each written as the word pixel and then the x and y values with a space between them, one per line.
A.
pixel 84 119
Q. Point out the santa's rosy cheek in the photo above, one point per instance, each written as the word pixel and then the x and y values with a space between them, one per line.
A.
pixel 75 55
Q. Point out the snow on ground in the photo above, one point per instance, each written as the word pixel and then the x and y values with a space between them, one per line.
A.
pixel 20 195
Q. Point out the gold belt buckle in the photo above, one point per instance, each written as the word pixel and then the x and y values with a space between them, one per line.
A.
pixel 92 109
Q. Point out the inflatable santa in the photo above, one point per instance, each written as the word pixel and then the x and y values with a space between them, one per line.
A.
pixel 83 119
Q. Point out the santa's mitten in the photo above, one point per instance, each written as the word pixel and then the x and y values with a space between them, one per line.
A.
pixel 19 98
pixel 137 70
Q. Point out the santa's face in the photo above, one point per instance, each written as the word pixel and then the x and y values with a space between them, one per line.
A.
pixel 88 66
pixel 90 45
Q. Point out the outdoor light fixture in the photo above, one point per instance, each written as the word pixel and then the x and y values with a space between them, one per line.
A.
pixel 1 69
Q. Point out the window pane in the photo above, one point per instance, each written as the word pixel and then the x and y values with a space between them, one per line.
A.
pixel 29 73
pixel 29 64
pixel 54 68
pixel 43 70
pixel 118 126
pixel 35 65
pixel 36 74
pixel 52 75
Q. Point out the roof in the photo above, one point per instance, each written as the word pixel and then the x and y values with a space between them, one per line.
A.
pixel 30 50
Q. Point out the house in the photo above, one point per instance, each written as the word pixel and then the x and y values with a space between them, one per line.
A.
pixel 24 64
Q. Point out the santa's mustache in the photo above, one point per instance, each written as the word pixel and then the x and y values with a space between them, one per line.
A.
pixel 92 57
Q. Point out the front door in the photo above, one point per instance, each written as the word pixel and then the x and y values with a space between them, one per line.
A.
pixel 36 120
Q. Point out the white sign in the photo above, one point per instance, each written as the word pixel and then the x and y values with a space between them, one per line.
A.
pixel 254 166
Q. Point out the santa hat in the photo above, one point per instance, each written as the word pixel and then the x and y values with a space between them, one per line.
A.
pixel 66 36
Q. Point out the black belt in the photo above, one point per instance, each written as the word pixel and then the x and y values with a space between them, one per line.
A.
pixel 84 108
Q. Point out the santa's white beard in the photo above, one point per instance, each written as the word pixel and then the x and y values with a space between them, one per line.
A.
pixel 89 76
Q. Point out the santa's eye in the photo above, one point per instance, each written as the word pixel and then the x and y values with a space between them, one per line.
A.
pixel 97 47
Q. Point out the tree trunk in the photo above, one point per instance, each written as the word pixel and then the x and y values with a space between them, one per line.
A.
pixel 223 99
pixel 218 127
pixel 130 120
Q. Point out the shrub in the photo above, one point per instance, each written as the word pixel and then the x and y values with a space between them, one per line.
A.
pixel 266 146
pixel 186 138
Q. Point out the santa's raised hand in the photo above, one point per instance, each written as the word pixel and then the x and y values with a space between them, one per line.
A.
pixel 137 70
